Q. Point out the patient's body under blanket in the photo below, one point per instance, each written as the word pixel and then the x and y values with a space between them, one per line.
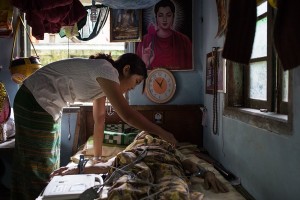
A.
pixel 149 168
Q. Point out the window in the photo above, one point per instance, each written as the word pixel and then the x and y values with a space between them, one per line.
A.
pixel 258 93
pixel 57 46
pixel 94 38
pixel 54 47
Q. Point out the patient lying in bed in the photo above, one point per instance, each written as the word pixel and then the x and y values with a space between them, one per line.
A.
pixel 150 167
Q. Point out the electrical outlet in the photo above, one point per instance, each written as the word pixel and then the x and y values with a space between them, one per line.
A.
pixel 158 118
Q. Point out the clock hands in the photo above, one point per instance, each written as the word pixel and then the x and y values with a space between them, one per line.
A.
pixel 159 83
pixel 162 80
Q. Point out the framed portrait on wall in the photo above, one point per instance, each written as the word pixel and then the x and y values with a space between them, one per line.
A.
pixel 125 25
pixel 167 35
pixel 215 72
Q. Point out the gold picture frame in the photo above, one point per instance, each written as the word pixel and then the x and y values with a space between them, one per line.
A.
pixel 125 25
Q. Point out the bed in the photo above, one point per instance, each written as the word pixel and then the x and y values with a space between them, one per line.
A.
pixel 185 122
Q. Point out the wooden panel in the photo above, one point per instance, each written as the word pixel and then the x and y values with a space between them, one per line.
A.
pixel 184 121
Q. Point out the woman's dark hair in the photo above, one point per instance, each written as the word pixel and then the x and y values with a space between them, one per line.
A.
pixel 164 3
pixel 103 56
pixel 137 65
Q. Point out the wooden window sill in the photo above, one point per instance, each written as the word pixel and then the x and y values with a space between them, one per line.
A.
pixel 273 122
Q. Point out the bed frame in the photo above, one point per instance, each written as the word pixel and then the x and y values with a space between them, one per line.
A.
pixel 184 121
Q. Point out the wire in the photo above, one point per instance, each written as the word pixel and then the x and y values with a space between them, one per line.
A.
pixel 69 123
pixel 215 89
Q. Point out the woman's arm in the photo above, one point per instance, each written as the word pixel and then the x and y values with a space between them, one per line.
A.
pixel 99 120
pixel 129 115
pixel 99 168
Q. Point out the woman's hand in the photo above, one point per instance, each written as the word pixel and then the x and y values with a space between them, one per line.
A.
pixel 169 137
pixel 64 171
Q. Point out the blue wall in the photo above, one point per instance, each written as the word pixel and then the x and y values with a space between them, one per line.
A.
pixel 11 87
pixel 267 163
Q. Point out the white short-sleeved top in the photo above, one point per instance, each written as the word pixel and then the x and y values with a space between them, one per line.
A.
pixel 56 85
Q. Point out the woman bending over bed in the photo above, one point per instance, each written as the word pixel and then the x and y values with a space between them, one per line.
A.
pixel 149 167
pixel 39 103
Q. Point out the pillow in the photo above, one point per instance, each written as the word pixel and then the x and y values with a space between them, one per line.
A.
pixel 111 137
pixel 121 128
pixel 113 143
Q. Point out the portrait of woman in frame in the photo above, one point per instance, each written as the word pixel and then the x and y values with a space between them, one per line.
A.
pixel 125 25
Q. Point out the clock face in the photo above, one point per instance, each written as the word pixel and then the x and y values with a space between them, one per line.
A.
pixel 160 85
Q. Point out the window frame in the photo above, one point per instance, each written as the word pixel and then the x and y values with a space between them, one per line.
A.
pixel 239 106
pixel 26 48
pixel 263 104
pixel 283 107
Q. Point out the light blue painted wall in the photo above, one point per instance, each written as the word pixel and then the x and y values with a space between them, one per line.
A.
pixel 267 163
pixel 11 88
pixel 5 48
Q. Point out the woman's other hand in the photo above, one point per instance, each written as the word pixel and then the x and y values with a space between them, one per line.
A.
pixel 169 137
pixel 64 171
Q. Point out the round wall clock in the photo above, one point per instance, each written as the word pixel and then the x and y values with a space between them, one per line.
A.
pixel 160 85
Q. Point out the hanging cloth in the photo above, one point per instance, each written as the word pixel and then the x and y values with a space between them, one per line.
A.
pixel 286 33
pixel 48 16
pixel 5 111
pixel 5 108
pixel 90 28
pixel 6 18
pixel 240 31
